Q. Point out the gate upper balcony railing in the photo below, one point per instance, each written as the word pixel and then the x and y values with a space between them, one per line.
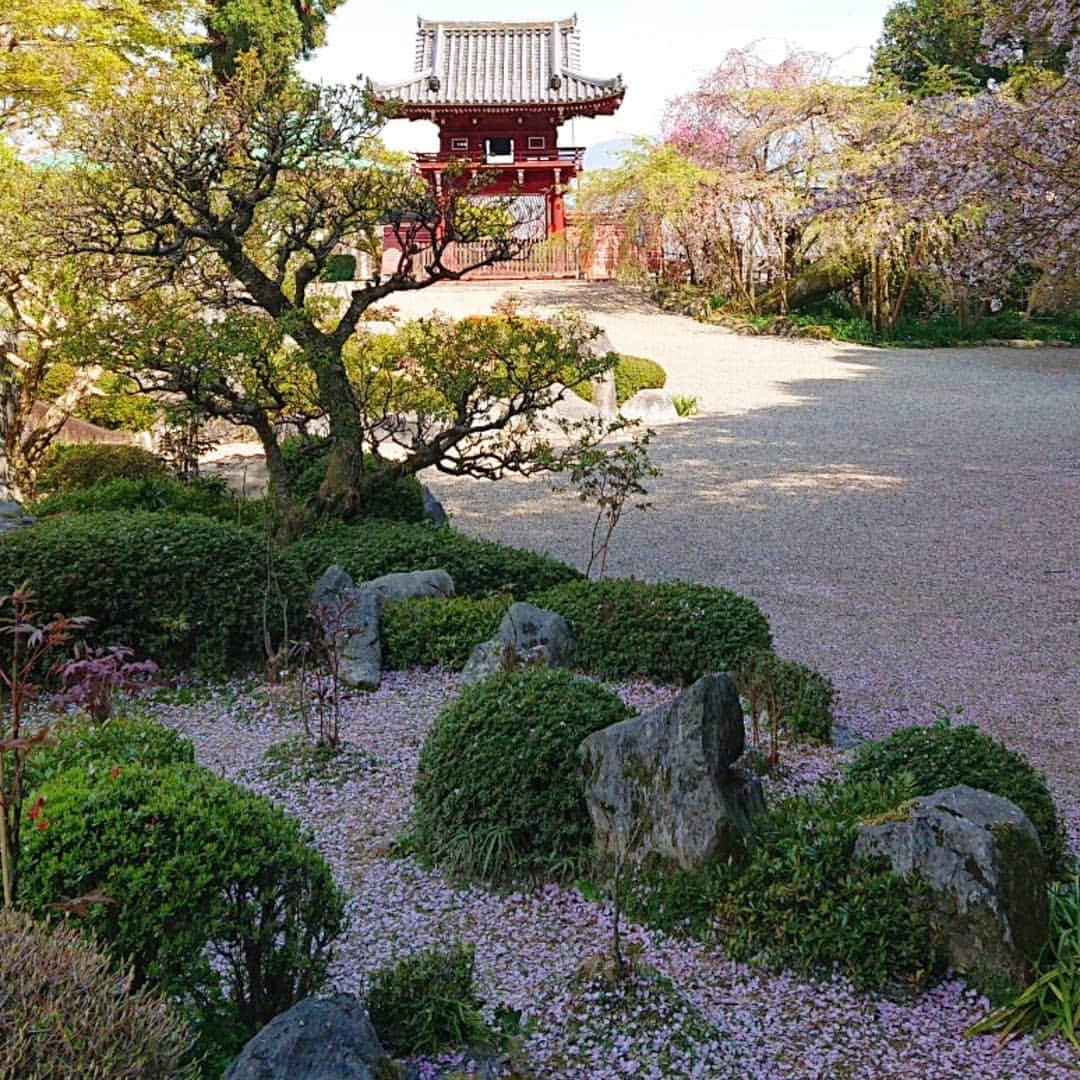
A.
pixel 567 155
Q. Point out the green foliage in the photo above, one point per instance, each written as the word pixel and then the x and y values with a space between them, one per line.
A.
pixel 211 496
pixel 67 1013
pixel 397 498
pixel 801 696
pixel 340 267
pixel 185 591
pixel 685 404
pixel 498 794
pixel 1051 1004
pixel 426 1004
pixel 632 373
pixel 82 465
pixel 667 631
pixel 438 633
pixel 377 547
pixel 118 406
pixel 796 897
pixel 217 898
pixel 97 748
pixel 941 756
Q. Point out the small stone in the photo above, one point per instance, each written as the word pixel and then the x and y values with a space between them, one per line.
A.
pixel 650 406
pixel 407 586
pixel 528 636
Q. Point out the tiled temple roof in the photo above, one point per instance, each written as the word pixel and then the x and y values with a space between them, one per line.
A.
pixel 499 63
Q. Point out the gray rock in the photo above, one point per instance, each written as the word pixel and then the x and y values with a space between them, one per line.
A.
pixel 350 617
pixel 663 784
pixel 12 516
pixel 528 636
pixel 433 509
pixel 981 856
pixel 406 586
pixel 650 406
pixel 527 626
pixel 317 1039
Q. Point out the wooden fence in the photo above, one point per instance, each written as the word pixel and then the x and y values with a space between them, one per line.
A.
pixel 556 258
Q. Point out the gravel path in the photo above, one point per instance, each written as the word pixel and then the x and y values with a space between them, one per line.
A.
pixel 906 518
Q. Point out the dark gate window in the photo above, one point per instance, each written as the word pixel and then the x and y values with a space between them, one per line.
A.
pixel 500 149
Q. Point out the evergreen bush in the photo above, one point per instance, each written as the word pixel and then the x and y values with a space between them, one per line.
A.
pixel 801 696
pixel 941 756
pixel 498 789
pixel 667 631
pixel 186 591
pixel 215 896
pixel 81 465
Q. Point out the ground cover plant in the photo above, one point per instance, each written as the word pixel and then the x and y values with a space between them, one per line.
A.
pixel 942 755
pixel 426 1004
pixel 665 631
pixel 69 1012
pixel 515 805
pixel 215 896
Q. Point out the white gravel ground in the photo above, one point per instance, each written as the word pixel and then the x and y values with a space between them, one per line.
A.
pixel 906 518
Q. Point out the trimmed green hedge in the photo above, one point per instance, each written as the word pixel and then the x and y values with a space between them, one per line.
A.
pixel 438 633
pixel 498 789
pixel 211 496
pixel 941 756
pixel 81 465
pixel 218 899
pixel 375 547
pixel 666 631
pixel 185 591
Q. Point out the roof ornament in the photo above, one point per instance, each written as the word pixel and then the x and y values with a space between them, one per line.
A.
pixel 556 82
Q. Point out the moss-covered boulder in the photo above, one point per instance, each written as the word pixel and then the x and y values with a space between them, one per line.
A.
pixel 980 856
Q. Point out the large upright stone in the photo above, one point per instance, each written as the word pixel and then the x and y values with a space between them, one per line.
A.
pixel 349 617
pixel 317 1039
pixel 663 784
pixel 981 857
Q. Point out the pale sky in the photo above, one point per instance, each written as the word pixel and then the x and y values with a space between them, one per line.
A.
pixel 661 48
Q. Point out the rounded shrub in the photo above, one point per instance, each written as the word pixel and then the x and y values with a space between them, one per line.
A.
pixel 68 1012
pixel 801 697
pixel 187 591
pixel 498 790
pixel 81 465
pixel 478 567
pixel 942 756
pixel 99 747
pixel 667 631
pixel 216 896
pixel 395 498
pixel 428 632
